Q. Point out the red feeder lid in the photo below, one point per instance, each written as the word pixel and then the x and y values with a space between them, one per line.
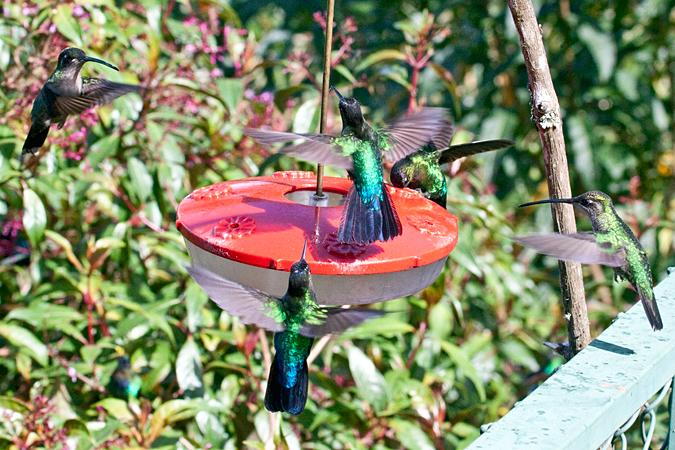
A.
pixel 253 221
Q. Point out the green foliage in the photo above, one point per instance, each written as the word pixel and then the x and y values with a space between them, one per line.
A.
pixel 95 217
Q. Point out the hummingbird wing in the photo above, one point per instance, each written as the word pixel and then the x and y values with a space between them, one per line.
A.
pixel 250 305
pixel 338 320
pixel 455 152
pixel 317 148
pixel 95 92
pixel 579 247
pixel 408 133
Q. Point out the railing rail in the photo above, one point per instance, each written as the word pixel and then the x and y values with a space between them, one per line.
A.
pixel 592 396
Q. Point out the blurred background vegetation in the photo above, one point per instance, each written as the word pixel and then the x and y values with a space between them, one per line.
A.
pixel 103 273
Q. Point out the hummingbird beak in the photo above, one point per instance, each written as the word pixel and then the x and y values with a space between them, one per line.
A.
pixel 338 94
pixel 304 250
pixel 96 60
pixel 550 200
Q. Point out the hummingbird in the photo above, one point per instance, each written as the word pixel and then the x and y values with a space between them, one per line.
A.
pixel 368 214
pixel 124 382
pixel 296 320
pixel 611 243
pixel 67 92
pixel 421 170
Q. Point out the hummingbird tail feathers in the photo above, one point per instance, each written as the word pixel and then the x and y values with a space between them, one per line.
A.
pixel 391 224
pixel 365 223
pixel 36 137
pixel 292 399
pixel 651 309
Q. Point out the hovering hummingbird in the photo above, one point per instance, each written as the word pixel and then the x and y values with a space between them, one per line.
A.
pixel 66 92
pixel 422 170
pixel 124 382
pixel 369 214
pixel 296 320
pixel 611 243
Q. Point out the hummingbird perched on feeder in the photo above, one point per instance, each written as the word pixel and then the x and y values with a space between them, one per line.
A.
pixel 369 214
pixel 296 319
pixel 67 92
pixel 611 243
pixel 421 170
pixel 124 382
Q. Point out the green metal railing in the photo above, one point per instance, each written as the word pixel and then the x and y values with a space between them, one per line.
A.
pixel 592 400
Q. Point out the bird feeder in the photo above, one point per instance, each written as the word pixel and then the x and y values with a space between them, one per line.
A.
pixel 252 230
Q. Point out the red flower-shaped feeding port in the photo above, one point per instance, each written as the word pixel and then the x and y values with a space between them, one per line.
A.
pixel 335 247
pixel 427 224
pixel 234 227
pixel 210 192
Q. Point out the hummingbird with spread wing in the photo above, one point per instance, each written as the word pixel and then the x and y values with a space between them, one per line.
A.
pixel 421 170
pixel 296 320
pixel 611 243
pixel 66 92
pixel 369 214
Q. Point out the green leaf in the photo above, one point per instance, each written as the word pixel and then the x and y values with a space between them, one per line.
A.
pixel 386 326
pixel 116 408
pixel 370 382
pixel 141 180
pixel 195 299
pixel 304 121
pixel 382 55
pixel 627 83
pixel 75 427
pixel 211 428
pixel 283 95
pixel 65 245
pixel 458 356
pixel 441 320
pixel 231 92
pixel 14 405
pixel 39 313
pixel 170 412
pixel 342 70
pixel 602 48
pixel 103 148
pixel 410 435
pixel 25 340
pixel 67 24
pixel 581 146
pixel 189 370
pixel 34 216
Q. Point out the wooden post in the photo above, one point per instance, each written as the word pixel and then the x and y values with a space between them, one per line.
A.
pixel 546 114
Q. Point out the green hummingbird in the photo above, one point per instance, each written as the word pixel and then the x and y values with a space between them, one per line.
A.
pixel 67 92
pixel 611 243
pixel 422 170
pixel 124 382
pixel 296 319
pixel 368 214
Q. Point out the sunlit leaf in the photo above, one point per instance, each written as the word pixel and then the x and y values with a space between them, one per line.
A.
pixel 34 216
pixel 141 179
pixel 231 91
pixel 67 25
pixel 369 381
pixel 410 435
pixel 602 47
pixel 189 370
pixel 379 56
pixel 25 340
